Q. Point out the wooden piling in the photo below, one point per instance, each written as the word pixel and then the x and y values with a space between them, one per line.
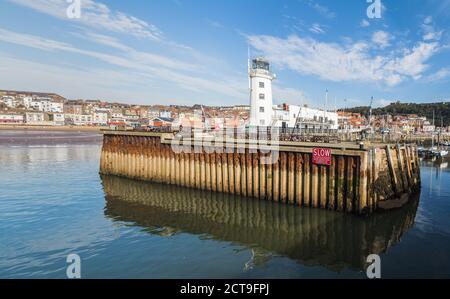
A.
pixel 341 184
pixel 392 169
pixel 255 171
pixel 173 168
pixel 192 177
pixel 262 177
pixel 183 169
pixel 237 173
pixel 225 177
pixel 307 180
pixel 363 185
pixel 276 180
pixel 349 203
pixel 219 183
pixel 332 203
pixel 249 168
pixel 243 164
pixel 291 178
pixel 178 169
pixel 269 178
pixel 231 177
pixel 315 186
pixel 202 171
pixel 323 186
pixel 299 179
pixel 197 171
pixel 207 170
pixel 213 161
pixel 283 177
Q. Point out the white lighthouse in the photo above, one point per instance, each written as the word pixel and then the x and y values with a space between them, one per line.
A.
pixel 261 77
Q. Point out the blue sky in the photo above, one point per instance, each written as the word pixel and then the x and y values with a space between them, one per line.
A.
pixel 195 51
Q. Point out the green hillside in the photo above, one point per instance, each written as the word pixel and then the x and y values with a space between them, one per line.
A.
pixel 441 110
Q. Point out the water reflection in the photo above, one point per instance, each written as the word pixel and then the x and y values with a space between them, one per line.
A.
pixel 434 169
pixel 311 236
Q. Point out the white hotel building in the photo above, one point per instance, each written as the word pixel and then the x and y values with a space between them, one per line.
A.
pixel 264 113
pixel 47 105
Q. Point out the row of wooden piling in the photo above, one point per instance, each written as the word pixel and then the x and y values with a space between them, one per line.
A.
pixel 346 185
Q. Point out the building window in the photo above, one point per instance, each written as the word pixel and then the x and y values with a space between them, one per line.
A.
pixel 262 96
pixel 261 109
pixel 262 122
pixel 261 84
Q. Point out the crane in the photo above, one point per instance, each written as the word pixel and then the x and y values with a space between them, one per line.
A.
pixel 370 114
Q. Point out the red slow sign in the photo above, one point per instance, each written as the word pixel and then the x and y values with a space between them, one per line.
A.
pixel 321 156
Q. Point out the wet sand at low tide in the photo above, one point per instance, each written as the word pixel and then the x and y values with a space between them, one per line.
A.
pixel 34 137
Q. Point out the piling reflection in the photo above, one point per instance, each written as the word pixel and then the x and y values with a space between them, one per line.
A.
pixel 311 236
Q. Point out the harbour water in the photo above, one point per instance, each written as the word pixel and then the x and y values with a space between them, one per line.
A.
pixel 53 203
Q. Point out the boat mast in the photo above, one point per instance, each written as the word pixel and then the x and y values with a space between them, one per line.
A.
pixel 432 135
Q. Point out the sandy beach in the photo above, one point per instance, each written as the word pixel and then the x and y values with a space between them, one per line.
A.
pixel 51 128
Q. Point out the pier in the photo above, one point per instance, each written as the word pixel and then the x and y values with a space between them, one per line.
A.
pixel 359 179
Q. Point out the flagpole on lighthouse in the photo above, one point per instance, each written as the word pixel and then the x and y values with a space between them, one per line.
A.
pixel 249 80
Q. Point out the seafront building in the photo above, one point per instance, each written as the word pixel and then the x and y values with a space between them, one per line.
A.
pixel 264 113
pixel 11 118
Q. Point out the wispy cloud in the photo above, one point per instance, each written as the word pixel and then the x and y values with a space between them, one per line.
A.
pixel 364 23
pixel 381 39
pixel 215 24
pixel 138 56
pixel 149 65
pixel 443 73
pixel 352 62
pixel 322 10
pixel 72 82
pixel 317 28
pixel 412 63
pixel 429 30
pixel 96 15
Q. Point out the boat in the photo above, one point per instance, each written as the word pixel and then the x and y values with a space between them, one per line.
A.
pixel 432 152
pixel 441 153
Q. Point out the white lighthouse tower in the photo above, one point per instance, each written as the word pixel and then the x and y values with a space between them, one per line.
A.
pixel 261 78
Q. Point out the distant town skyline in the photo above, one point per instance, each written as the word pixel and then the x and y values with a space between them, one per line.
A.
pixel 185 53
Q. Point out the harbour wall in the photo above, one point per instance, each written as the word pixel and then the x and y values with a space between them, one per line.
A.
pixel 360 179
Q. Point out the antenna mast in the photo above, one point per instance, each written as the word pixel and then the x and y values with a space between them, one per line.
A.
pixel 248 67
pixel 370 114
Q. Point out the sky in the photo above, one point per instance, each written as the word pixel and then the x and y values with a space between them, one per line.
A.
pixel 186 52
